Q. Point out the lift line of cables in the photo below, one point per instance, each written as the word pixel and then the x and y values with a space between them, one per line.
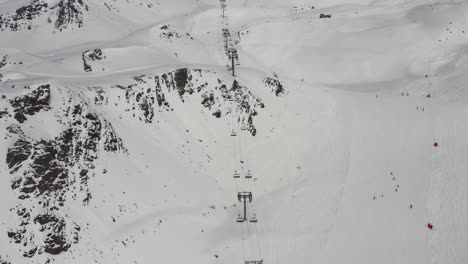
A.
pixel 247 218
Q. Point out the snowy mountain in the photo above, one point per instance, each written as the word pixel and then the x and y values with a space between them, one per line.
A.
pixel 133 131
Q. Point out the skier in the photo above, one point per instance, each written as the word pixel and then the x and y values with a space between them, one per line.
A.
pixel 430 226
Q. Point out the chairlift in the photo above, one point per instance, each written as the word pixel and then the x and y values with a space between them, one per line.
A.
pixel 248 175
pixel 240 219
pixel 236 175
pixel 253 219
pixel 233 133
pixel 243 127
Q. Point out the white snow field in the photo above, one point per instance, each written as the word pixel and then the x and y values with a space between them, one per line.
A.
pixel 345 164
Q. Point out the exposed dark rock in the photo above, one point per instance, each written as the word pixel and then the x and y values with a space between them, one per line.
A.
pixel 3 113
pixel 208 100
pixel 167 34
pixel 275 86
pixel 20 152
pixel 89 56
pixel 30 253
pixel 66 13
pixel 22 17
pixel 49 172
pixel 217 114
pixel 4 260
pixel 213 93
pixel 55 241
pixel 31 103
pixel 3 62
pixel 69 12
pixel 181 79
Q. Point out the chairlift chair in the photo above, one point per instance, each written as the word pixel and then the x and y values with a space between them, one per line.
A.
pixel 254 219
pixel 248 175
pixel 243 127
pixel 233 133
pixel 236 175
pixel 239 219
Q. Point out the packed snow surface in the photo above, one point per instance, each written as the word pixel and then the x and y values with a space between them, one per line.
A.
pixel 116 121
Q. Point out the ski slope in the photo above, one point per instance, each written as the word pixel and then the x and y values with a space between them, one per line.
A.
pixel 344 165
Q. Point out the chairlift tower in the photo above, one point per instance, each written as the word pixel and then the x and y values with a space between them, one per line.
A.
pixel 226 35
pixel 223 7
pixel 233 56
pixel 244 197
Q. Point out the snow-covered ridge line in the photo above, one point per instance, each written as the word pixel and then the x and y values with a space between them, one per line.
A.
pixel 149 94
pixel 66 12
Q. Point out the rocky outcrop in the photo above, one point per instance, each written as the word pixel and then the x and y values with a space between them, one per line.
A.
pixel 89 56
pixel 54 234
pixel 31 103
pixel 3 62
pixel 4 260
pixel 150 94
pixel 69 12
pixel 49 173
pixel 22 17
pixel 65 12
pixel 275 86
pixel 166 33
pixel 4 113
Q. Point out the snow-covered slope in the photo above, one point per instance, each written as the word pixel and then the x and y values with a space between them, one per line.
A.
pixel 116 121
